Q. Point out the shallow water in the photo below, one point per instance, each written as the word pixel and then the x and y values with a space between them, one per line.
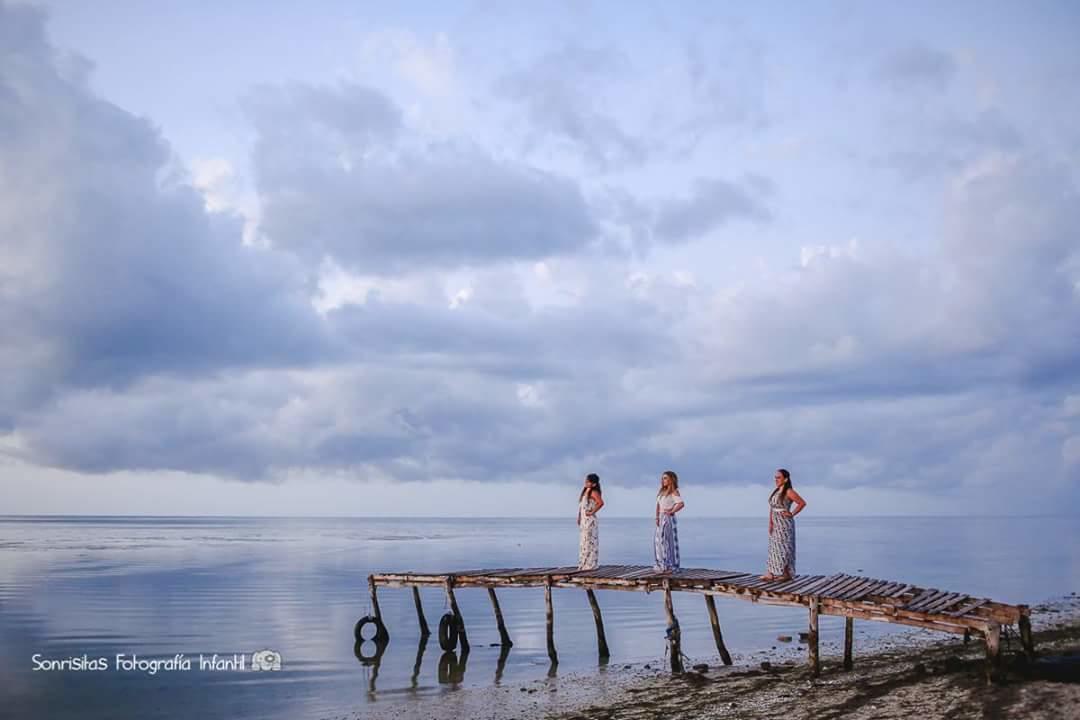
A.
pixel 156 587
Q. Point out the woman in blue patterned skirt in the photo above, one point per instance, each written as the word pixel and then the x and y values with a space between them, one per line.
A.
pixel 781 561
pixel 666 539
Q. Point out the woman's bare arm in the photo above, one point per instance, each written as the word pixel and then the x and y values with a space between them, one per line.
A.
pixel 598 499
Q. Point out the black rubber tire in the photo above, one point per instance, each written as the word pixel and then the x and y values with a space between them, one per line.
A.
pixel 381 635
pixel 448 632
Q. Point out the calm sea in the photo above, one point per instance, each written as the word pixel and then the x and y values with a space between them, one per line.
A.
pixel 155 587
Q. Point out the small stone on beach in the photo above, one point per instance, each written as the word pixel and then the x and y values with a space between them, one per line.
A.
pixel 701 667
pixel 783 638
pixel 766 665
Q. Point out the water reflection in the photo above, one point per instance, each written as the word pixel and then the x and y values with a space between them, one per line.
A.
pixel 504 652
pixel 372 660
pixel 452 669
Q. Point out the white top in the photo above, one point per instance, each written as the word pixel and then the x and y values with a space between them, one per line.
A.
pixel 668 501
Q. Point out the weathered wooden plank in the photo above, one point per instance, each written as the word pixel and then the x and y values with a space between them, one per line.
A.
pixel 904 590
pixel 815 588
pixel 927 597
pixel 970 607
pixel 837 589
pixel 867 589
pixel 803 582
pixel 942 604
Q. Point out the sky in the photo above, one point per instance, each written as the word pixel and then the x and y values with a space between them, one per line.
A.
pixel 410 258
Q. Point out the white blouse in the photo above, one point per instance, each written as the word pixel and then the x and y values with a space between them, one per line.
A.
pixel 668 501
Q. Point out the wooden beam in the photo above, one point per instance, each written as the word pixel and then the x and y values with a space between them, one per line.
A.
pixel 1026 640
pixel 993 650
pixel 375 609
pixel 601 639
pixel 503 635
pixel 674 635
pixel 812 639
pixel 849 640
pixel 554 656
pixel 462 637
pixel 425 631
pixel 710 603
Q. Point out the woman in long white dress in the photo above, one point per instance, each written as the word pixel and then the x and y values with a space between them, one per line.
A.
pixel 589 503
pixel 666 539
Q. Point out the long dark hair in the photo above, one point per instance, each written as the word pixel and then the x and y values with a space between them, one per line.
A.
pixel 783 489
pixel 674 488
pixel 594 484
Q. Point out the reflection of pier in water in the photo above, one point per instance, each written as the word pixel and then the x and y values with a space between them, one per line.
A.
pixel 451 671
pixel 847 596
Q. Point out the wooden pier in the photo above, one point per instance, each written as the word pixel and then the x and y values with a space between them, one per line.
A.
pixel 849 596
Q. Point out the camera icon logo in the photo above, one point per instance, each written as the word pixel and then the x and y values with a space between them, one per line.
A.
pixel 265 660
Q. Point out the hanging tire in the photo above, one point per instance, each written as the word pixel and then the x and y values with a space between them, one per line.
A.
pixel 448 632
pixel 381 635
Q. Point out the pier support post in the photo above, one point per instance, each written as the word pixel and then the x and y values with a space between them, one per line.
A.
pixel 993 650
pixel 710 603
pixel 1025 634
pixel 812 638
pixel 380 625
pixel 425 632
pixel 849 640
pixel 457 614
pixel 550 622
pixel 601 640
pixel 674 635
pixel 503 635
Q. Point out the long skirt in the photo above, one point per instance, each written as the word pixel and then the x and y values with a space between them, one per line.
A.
pixel 782 546
pixel 589 544
pixel 666 544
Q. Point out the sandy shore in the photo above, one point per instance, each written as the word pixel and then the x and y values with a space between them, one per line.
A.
pixel 914 674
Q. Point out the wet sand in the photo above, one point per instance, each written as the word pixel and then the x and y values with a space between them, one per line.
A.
pixel 912 674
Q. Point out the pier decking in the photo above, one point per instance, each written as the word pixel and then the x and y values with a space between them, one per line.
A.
pixel 848 596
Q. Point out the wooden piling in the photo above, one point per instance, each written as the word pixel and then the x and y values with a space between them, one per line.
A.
pixel 601 639
pixel 675 637
pixel 812 638
pixel 993 650
pixel 710 603
pixel 550 622
pixel 1026 640
pixel 379 624
pixel 374 598
pixel 849 640
pixel 462 638
pixel 503 635
pixel 425 631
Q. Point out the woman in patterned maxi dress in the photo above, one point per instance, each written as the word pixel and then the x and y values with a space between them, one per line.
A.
pixel 666 539
pixel 589 503
pixel 781 559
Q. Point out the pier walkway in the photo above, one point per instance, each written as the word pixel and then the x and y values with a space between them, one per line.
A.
pixel 849 596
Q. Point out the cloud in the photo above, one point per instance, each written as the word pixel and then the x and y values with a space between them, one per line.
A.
pixel 915 69
pixel 941 367
pixel 111 268
pixel 712 202
pixel 563 96
pixel 375 205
